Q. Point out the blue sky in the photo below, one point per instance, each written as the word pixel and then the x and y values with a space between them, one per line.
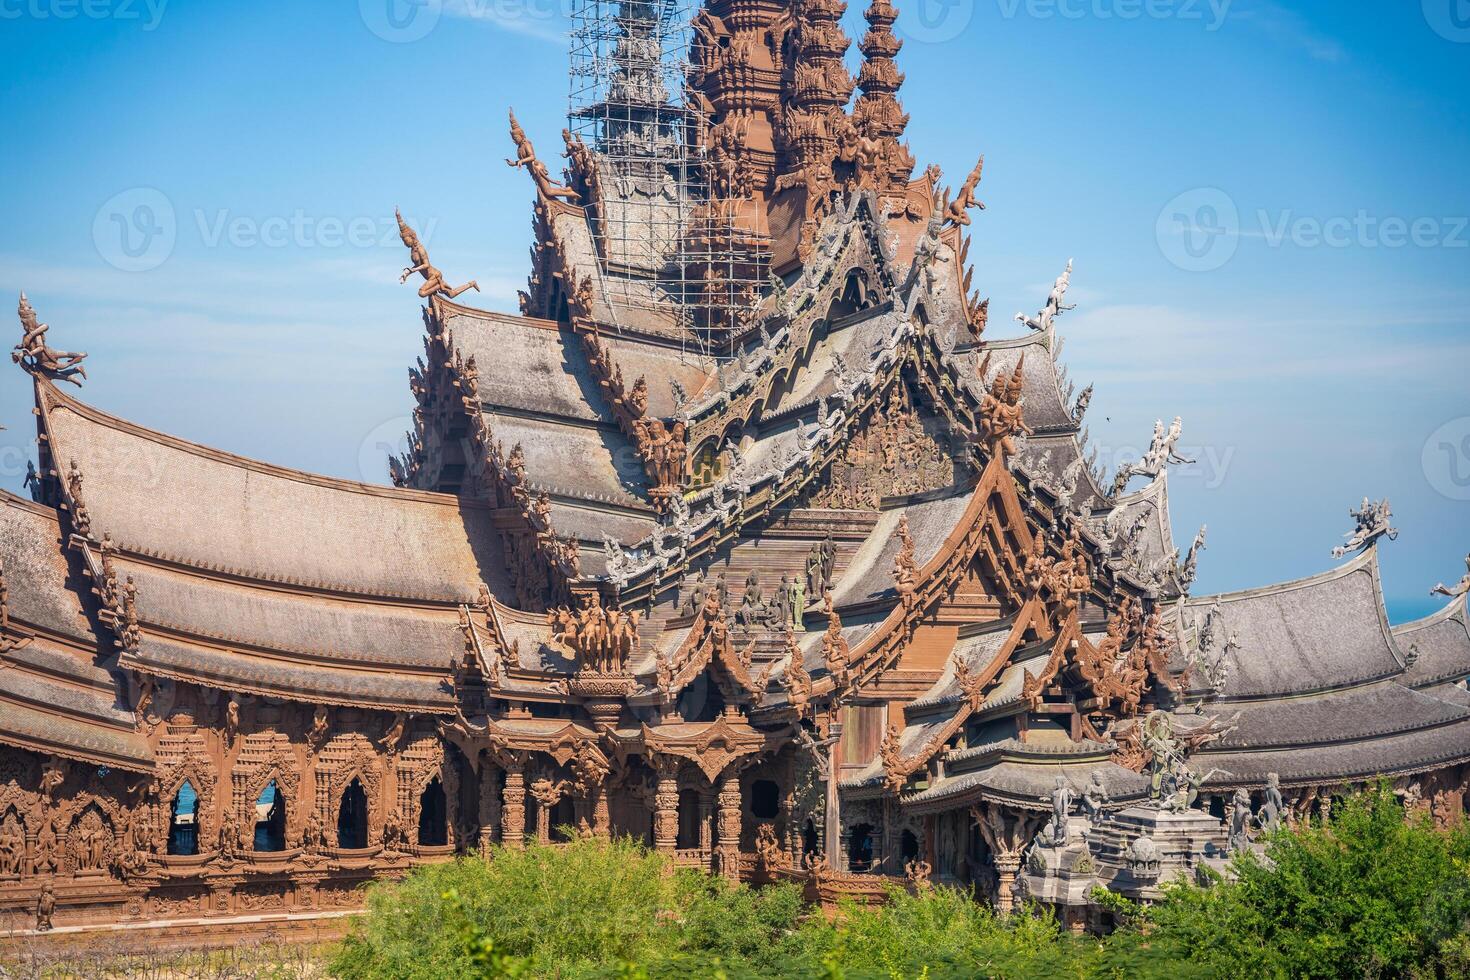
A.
pixel 1266 203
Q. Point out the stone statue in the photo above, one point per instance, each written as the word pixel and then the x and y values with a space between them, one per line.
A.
pixel 695 594
pixel 35 355
pixel 1061 804
pixel 1462 588
pixel 229 835
pixel 798 605
pixel 418 256
pixel 1372 523
pixel 752 609
pixel 1095 798
pixel 1240 819
pixel 1272 807
pixel 814 583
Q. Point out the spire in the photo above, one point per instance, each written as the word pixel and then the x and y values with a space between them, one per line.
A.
pixel 878 114
pixel 820 87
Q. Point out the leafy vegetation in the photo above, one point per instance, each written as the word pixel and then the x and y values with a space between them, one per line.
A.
pixel 1372 895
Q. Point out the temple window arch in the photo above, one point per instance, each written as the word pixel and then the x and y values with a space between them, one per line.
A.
pixel 908 846
pixel 183 821
pixel 765 799
pixel 860 848
pixel 433 822
pixel 810 841
pixel 688 819
pixel 270 819
pixel 563 819
pixel 352 817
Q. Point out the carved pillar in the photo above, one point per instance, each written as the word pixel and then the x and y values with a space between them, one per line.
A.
pixel 1007 833
pixel 544 812
pixel 788 821
pixel 513 805
pixel 832 837
pixel 1006 867
pixel 706 822
pixel 601 812
pixel 489 806
pixel 730 814
pixel 666 804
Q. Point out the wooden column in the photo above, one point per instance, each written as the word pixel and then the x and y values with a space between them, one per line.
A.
pixel 489 806
pixel 666 805
pixel 832 833
pixel 730 823
pixel 513 806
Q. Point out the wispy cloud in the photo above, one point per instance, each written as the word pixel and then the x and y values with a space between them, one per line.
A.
pixel 1291 29
pixel 542 20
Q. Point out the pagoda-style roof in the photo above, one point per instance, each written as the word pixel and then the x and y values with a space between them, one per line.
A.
pixel 1315 684
pixel 1321 633
pixel 1437 647
pixel 182 503
pixel 61 691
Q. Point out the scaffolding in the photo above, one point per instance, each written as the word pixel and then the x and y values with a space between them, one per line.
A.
pixel 673 257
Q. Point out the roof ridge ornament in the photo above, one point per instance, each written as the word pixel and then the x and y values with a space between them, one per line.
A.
pixel 1459 589
pixel 38 358
pixel 1372 520
pixel 526 159
pixel 434 284
pixel 956 212
pixel 1042 322
pixel 1161 452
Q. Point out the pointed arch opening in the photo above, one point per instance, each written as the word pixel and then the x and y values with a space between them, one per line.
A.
pixel 860 848
pixel 433 822
pixel 352 817
pixel 183 821
pixel 270 819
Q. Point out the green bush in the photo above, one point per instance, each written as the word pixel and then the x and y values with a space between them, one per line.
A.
pixel 1371 895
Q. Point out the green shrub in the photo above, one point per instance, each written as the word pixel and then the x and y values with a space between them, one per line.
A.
pixel 1371 895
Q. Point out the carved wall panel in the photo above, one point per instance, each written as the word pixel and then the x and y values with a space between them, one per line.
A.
pixel 898 452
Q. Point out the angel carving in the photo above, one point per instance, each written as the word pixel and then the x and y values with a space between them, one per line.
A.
pixel 418 255
pixel 34 354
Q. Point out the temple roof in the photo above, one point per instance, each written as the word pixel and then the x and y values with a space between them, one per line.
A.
pixel 182 503
pixel 1314 634
pixel 61 692
pixel 1437 647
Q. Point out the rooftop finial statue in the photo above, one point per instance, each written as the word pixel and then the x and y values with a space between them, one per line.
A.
pixel 1054 307
pixel 526 158
pixel 1372 523
pixel 434 284
pixel 36 356
pixel 1461 588
pixel 957 211
pixel 1161 452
